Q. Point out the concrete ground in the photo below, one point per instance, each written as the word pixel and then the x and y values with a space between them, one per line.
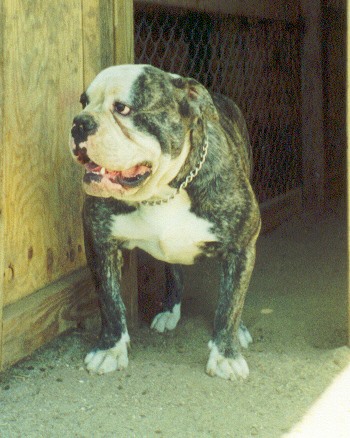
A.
pixel 296 311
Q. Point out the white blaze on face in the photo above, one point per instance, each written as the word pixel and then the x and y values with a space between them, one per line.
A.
pixel 114 81
pixel 117 145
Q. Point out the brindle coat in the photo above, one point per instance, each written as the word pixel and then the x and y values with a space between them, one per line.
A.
pixel 171 110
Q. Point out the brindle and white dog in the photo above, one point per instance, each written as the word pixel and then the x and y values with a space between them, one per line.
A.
pixel 167 170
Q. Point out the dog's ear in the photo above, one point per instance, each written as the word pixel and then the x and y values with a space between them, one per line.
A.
pixel 193 99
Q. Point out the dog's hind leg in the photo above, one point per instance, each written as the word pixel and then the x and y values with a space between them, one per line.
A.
pixel 174 284
pixel 225 359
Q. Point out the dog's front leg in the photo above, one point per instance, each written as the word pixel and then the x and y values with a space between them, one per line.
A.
pixel 225 359
pixel 105 261
pixel 174 285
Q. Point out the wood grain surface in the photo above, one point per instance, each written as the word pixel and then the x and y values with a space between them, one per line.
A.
pixel 276 9
pixel 38 318
pixel 42 82
pixel 2 193
pixel 98 37
pixel 124 39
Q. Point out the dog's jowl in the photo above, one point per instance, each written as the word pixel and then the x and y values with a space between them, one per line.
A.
pixel 167 170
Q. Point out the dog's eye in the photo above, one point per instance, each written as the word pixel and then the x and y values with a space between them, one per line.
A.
pixel 120 108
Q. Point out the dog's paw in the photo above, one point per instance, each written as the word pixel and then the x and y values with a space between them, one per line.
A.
pixel 106 361
pixel 244 336
pixel 167 320
pixel 226 368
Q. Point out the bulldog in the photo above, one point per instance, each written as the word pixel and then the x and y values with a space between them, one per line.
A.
pixel 167 169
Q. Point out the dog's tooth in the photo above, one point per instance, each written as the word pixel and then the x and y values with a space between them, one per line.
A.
pixel 103 170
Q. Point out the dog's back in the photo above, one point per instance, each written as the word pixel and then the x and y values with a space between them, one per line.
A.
pixel 234 125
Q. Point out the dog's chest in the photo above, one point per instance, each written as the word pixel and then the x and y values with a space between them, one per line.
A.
pixel 169 232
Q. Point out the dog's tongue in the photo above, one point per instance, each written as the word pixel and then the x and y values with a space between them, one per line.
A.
pixel 127 178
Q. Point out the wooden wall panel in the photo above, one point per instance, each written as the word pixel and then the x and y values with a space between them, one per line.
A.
pixel 108 37
pixel 31 322
pixel 98 37
pixel 123 37
pixel 276 9
pixel 2 194
pixel 348 154
pixel 42 82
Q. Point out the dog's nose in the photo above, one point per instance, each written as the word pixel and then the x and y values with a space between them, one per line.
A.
pixel 83 126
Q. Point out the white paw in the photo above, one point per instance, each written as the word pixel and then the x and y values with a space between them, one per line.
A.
pixel 226 368
pixel 244 336
pixel 167 320
pixel 106 361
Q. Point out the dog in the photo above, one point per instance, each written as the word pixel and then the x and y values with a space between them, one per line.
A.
pixel 167 169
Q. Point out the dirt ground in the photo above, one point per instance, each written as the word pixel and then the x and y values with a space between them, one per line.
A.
pixel 295 311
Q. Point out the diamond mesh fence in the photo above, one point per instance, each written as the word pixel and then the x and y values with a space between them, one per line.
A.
pixel 255 62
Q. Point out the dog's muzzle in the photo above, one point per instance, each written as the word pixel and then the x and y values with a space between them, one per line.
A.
pixel 84 126
pixel 132 177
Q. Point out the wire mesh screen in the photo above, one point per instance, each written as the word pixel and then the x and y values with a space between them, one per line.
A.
pixel 255 62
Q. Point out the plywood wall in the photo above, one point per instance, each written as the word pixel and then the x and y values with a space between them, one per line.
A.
pixel 2 195
pixel 348 154
pixel 50 50
pixel 42 77
pixel 276 9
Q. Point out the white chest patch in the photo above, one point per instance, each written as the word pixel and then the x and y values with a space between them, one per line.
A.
pixel 169 232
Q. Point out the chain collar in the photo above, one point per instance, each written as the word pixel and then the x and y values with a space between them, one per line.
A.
pixel 189 178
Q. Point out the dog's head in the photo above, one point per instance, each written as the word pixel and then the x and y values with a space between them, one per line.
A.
pixel 136 129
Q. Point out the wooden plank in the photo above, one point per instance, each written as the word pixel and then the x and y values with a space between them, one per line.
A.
pixel 2 193
pixel 279 9
pixel 38 318
pixel 123 31
pixel 42 84
pixel 68 303
pixel 98 37
pixel 107 34
pixel 281 208
pixel 91 40
pixel 348 158
pixel 312 108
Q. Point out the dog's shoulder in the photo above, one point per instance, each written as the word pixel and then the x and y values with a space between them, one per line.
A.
pixel 233 123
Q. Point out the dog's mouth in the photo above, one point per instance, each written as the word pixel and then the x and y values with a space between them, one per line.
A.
pixel 110 179
pixel 131 177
